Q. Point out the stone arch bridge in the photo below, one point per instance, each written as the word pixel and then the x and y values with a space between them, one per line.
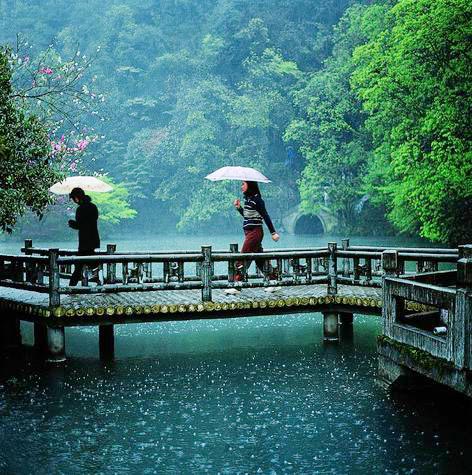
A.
pixel 297 221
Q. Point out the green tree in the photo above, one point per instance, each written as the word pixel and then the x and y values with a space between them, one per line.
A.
pixel 329 129
pixel 26 162
pixel 415 79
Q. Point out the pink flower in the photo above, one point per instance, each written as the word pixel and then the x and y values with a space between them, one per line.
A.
pixel 47 71
pixel 73 167
pixel 82 144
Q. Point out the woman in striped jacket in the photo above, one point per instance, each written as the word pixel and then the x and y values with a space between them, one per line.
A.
pixel 253 212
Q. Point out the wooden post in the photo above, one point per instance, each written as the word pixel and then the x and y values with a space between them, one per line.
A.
pixel 346 318
pixel 309 272
pixel 28 246
pixel 464 298
pixel 85 269
pixel 111 266
pixel 346 262
pixel 465 251
pixel 206 274
pixel 54 279
pixel 166 271
pixel 332 269
pixel 266 271
pixel 401 266
pixel 29 267
pixel 296 269
pixel 180 271
pixel 139 272
pixel 390 263
pixel 18 271
pixel 464 273
pixel 56 345
pixel 356 270
pixel 280 270
pixel 125 272
pixel 368 269
pixel 233 249
pixel 330 326
pixel 106 341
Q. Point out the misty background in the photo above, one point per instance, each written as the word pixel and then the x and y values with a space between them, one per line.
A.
pixel 292 88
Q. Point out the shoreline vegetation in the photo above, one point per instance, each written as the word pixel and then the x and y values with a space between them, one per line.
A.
pixel 358 108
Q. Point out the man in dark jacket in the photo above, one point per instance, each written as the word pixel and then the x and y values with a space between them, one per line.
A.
pixel 86 217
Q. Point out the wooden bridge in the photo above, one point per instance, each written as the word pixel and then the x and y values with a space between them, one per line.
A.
pixel 181 285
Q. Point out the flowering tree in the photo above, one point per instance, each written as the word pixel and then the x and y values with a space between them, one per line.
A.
pixel 60 93
pixel 44 105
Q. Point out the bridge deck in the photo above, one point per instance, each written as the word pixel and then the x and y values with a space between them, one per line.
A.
pixel 185 304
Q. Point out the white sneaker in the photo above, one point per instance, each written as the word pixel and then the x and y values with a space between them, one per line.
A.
pixel 232 291
pixel 271 289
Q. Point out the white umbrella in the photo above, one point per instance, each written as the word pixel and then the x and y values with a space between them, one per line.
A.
pixel 87 183
pixel 237 173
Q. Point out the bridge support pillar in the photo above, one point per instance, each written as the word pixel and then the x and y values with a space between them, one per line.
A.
pixel 56 345
pixel 10 336
pixel 347 330
pixel 106 340
pixel 346 318
pixel 40 337
pixel 330 326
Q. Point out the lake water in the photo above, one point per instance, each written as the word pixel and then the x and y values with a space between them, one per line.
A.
pixel 249 395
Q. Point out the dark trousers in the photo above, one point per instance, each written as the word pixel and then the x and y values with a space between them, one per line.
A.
pixel 252 243
pixel 78 268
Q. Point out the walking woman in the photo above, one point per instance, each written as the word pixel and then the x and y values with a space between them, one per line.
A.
pixel 253 212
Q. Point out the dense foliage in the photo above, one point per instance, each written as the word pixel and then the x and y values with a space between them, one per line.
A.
pixel 357 106
pixel 415 81
pixel 25 156
pixel 191 86
pixel 330 127
pixel 388 118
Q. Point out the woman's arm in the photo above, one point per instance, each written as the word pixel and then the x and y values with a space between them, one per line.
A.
pixel 237 204
pixel 260 207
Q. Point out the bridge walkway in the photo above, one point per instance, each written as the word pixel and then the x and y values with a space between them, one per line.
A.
pixel 127 307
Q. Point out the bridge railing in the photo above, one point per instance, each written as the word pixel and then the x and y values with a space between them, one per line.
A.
pixel 431 312
pixel 46 270
pixel 24 272
pixel 362 265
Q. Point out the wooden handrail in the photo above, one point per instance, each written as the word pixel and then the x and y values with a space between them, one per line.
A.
pixel 116 258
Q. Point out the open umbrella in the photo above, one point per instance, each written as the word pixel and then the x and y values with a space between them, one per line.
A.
pixel 237 173
pixel 87 183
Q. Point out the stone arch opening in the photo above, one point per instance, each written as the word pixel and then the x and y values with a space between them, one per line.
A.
pixel 308 224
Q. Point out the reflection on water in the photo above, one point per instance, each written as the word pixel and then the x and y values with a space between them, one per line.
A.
pixel 249 395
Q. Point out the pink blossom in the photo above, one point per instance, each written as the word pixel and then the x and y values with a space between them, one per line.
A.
pixel 73 167
pixel 82 144
pixel 47 71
